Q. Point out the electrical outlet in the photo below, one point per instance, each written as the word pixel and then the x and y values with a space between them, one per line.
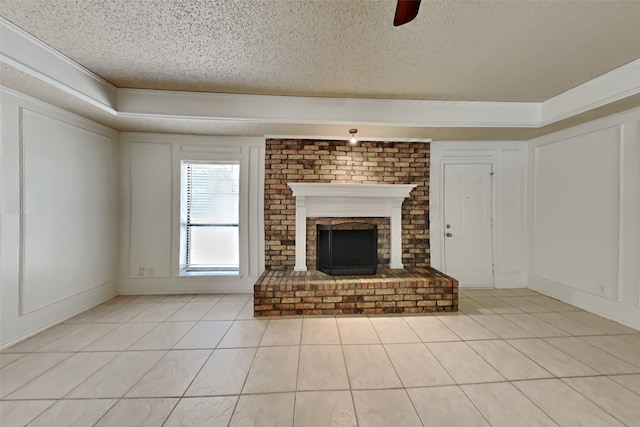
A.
pixel 151 271
pixel 140 271
pixel 602 290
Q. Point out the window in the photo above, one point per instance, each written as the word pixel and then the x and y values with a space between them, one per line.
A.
pixel 209 216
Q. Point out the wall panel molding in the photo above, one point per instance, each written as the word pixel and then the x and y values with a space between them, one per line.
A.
pixel 43 253
pixel 55 166
pixel 577 211
pixel 160 250
pixel 596 165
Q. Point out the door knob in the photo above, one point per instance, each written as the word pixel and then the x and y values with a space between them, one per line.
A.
pixel 448 234
pixel 448 226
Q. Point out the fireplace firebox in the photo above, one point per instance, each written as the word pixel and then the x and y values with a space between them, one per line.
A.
pixel 347 249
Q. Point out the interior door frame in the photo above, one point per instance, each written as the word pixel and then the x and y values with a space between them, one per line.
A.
pixel 436 213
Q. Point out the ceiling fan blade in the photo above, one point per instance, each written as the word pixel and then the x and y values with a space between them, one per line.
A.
pixel 406 11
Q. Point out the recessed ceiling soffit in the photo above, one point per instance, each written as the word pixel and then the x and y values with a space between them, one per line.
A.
pixel 29 55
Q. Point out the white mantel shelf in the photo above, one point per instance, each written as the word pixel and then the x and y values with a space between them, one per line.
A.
pixel 307 189
pixel 349 200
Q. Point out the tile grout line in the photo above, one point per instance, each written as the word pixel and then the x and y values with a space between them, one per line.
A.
pixel 404 387
pixel 512 381
pixel 346 368
pixel 584 362
pixel 253 359
pixel 589 400
pixel 295 394
pixel 71 354
pixel 187 387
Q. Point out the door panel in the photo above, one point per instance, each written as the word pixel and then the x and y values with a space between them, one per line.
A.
pixel 468 248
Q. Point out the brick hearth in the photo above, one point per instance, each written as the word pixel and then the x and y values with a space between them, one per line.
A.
pixel 412 290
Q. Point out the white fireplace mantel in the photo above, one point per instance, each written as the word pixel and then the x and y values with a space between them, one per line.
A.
pixel 349 200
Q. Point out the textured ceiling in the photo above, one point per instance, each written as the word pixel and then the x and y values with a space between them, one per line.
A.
pixel 454 50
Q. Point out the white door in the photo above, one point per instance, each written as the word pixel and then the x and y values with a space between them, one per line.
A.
pixel 468 247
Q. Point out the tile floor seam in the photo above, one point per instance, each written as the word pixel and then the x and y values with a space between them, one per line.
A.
pixel 487 362
pixel 497 334
pixel 125 393
pixel 480 326
pixel 637 365
pixel 246 377
pixel 623 385
pixel 474 403
pixel 106 412
pixel 240 311
pixel 40 413
pixel 237 399
pixel 389 357
pixel 413 405
pixel 584 362
pixel 503 299
pixel 529 358
pixel 90 375
pixel 447 327
pixel 14 360
pixel 346 367
pixel 395 369
pixel 38 376
pixel 152 306
pixel 479 303
pixel 440 363
pixel 586 398
pixel 540 320
pixel 295 395
pixel 171 412
pixel 571 357
pixel 591 400
pixel 74 326
pixel 100 337
pixel 537 405
pixel 213 307
pixel 496 368
pixel 197 373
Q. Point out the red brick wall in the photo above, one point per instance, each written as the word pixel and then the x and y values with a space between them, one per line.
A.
pixel 337 161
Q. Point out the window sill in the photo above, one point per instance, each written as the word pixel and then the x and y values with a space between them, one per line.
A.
pixel 210 273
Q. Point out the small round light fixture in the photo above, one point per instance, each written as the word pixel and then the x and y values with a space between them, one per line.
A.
pixel 353 139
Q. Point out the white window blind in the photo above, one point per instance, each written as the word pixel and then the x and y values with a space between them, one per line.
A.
pixel 210 216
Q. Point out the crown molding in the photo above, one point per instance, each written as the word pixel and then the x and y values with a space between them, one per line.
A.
pixel 58 113
pixel 331 111
pixel 28 54
pixel 347 138
pixel 613 86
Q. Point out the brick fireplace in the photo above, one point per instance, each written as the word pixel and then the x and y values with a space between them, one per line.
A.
pixel 404 282
pixel 292 160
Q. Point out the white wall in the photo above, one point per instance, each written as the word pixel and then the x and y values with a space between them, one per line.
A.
pixel 584 207
pixel 150 214
pixel 58 215
pixel 508 159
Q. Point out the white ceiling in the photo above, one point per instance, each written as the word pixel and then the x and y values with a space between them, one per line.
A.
pixel 523 51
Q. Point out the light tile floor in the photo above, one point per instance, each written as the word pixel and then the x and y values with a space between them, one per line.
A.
pixel 508 358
